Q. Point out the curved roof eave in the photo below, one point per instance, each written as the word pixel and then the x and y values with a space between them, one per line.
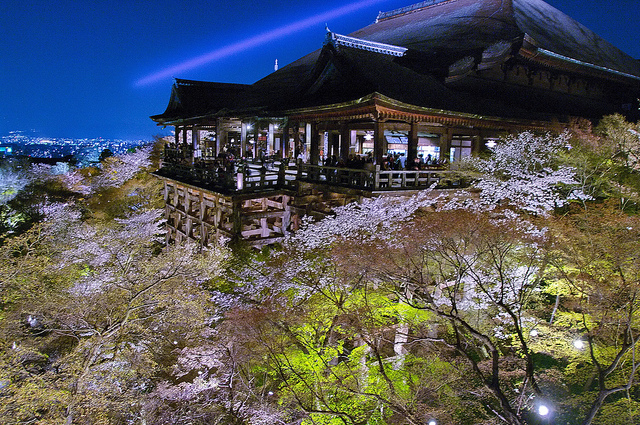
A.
pixel 559 37
pixel 440 25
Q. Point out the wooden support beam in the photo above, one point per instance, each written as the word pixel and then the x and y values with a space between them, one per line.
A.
pixel 345 142
pixel 412 148
pixel 379 143
pixel 315 145
pixel 297 144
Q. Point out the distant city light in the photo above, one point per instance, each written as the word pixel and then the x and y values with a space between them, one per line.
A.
pixel 254 41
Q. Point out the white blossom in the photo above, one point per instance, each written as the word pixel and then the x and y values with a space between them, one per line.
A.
pixel 524 171
pixel 12 181
pixel 118 169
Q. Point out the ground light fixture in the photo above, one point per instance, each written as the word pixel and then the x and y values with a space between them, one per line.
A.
pixel 432 422
pixel 543 410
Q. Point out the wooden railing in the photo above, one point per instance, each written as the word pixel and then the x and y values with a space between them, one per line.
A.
pixel 256 177
pixel 243 178
pixel 370 180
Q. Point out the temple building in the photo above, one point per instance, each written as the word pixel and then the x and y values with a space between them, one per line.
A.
pixel 429 84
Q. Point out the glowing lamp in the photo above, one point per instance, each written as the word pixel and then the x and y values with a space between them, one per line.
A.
pixel 543 410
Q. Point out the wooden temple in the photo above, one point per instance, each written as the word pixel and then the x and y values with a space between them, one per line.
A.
pixel 422 87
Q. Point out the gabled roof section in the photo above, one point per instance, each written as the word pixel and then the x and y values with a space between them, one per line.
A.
pixel 348 73
pixel 455 29
pixel 423 55
pixel 446 26
pixel 191 99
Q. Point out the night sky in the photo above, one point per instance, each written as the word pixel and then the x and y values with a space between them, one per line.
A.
pixel 88 68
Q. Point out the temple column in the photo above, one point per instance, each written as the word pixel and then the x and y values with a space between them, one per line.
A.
pixel 188 146
pixel 216 150
pixel 284 142
pixel 195 138
pixel 314 155
pixel 478 141
pixel 412 147
pixel 307 140
pixel 271 140
pixel 345 142
pixel 177 135
pixel 256 144
pixel 445 150
pixel 334 144
pixel 297 148
pixel 243 139
pixel 379 143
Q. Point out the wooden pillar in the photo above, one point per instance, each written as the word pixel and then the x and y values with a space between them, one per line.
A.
pixel 237 219
pixel 412 148
pixel 478 142
pixel 445 144
pixel 314 155
pixel 334 144
pixel 345 142
pixel 256 142
pixel 243 139
pixel 297 144
pixel 177 135
pixel 379 143
pixel 271 140
pixel 195 139
pixel 218 138
pixel 284 141
pixel 204 237
pixel 307 138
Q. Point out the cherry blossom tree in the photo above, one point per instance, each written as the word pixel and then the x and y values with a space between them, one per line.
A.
pixel 525 171
pixel 12 181
pixel 116 170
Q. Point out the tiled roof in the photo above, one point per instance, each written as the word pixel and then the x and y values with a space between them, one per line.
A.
pixel 414 54
pixel 191 98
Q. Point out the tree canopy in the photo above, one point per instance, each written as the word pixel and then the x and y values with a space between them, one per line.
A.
pixel 515 301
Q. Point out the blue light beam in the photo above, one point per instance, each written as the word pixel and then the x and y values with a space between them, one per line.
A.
pixel 254 41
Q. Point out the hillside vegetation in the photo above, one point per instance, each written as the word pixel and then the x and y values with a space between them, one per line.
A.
pixel 515 302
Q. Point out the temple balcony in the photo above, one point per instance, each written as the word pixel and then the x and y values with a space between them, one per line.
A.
pixel 259 202
pixel 254 176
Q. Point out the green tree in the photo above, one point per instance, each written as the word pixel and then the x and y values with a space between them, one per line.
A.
pixel 597 266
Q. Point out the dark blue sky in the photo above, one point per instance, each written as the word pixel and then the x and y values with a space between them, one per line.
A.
pixel 99 68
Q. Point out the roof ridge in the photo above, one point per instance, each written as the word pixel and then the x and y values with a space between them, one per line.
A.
pixel 358 43
pixel 408 9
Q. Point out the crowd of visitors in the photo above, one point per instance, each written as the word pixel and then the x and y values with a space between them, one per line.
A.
pixel 397 161
pixel 227 161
